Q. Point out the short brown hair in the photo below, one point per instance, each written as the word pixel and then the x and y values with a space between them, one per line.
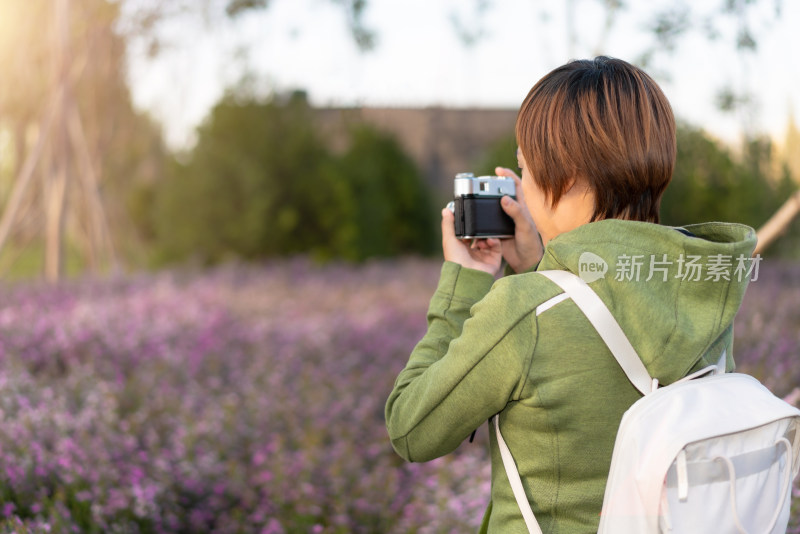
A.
pixel 608 122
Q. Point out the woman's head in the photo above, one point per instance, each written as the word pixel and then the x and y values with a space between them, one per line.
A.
pixel 602 126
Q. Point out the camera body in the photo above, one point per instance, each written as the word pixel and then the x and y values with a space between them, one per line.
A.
pixel 477 209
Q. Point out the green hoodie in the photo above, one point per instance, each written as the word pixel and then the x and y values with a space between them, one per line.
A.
pixel 559 391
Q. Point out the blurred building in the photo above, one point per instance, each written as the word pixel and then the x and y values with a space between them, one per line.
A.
pixel 442 141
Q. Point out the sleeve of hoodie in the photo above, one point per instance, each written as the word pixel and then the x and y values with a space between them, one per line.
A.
pixel 466 368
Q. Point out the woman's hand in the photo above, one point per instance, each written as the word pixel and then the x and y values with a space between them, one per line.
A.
pixel 525 249
pixel 481 254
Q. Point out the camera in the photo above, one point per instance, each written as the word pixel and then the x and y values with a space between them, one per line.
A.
pixel 477 208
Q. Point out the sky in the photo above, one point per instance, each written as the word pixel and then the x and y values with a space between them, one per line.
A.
pixel 419 59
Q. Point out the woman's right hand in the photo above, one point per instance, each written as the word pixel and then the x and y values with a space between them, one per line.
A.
pixel 525 249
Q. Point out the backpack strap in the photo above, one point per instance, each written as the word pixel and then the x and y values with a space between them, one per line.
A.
pixel 603 321
pixel 515 481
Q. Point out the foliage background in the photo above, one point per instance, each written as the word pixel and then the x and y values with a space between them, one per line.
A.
pixel 263 181
pixel 711 182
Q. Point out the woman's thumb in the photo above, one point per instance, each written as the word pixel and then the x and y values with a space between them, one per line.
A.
pixel 448 224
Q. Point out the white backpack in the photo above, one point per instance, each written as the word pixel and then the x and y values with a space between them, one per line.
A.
pixel 713 452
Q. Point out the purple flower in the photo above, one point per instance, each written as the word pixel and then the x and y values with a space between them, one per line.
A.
pixel 250 398
pixel 8 509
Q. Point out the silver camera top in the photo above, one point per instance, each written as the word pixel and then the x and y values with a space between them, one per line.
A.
pixel 466 183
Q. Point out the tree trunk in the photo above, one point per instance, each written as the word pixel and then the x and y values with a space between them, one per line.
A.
pixel 56 195
pixel 56 191
pixel 23 179
pixel 20 146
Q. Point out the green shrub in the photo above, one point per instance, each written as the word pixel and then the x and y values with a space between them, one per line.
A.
pixel 262 183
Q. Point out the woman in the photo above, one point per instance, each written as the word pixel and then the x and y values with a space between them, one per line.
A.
pixel 596 151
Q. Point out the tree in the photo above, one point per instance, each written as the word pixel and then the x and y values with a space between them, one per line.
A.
pixel 240 194
pixel 145 19
pixel 62 102
pixel 261 183
pixel 739 24
pixel 710 184
pixel 389 211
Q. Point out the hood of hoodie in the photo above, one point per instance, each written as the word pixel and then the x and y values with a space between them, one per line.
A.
pixel 674 291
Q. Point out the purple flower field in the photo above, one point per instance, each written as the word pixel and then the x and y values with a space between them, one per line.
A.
pixel 250 399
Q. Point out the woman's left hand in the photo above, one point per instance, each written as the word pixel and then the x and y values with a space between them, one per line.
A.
pixel 480 254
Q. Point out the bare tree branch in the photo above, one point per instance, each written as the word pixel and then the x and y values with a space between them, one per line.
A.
pixel 778 223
